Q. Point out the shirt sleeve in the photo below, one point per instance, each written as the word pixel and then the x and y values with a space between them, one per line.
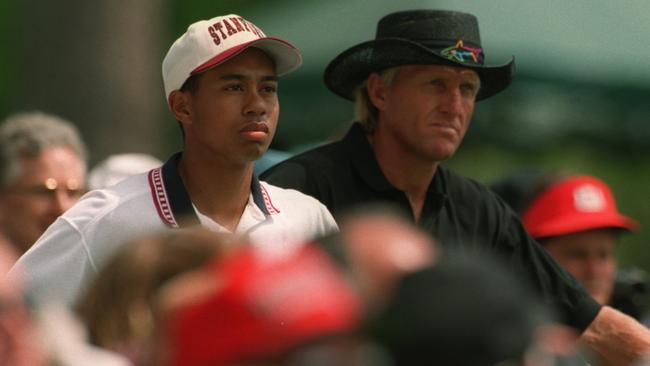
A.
pixel 328 223
pixel 54 269
pixel 571 302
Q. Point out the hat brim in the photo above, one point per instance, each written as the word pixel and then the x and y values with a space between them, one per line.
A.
pixel 563 225
pixel 286 56
pixel 349 69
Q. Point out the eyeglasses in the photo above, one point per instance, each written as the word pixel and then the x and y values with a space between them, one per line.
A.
pixel 49 188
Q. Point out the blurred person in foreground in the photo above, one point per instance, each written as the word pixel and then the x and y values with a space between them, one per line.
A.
pixel 221 81
pixel 42 174
pixel 464 311
pixel 118 309
pixel 376 247
pixel 118 167
pixel 247 308
pixel 416 85
pixel 20 344
pixel 471 311
pixel 577 221
pixel 41 336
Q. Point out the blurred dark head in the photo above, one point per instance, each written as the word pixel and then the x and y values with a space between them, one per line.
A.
pixel 520 187
pixel 462 311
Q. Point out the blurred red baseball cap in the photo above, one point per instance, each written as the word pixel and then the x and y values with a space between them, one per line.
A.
pixel 574 204
pixel 263 308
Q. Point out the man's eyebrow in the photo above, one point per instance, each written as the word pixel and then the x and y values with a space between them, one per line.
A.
pixel 243 77
pixel 472 78
pixel 232 77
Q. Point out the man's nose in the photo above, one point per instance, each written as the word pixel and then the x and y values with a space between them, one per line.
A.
pixel 596 265
pixel 255 104
pixel 452 101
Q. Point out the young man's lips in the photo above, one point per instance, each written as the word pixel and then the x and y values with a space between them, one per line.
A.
pixel 255 131
pixel 256 127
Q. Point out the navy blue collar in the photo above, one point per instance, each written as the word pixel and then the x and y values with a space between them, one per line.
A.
pixel 173 203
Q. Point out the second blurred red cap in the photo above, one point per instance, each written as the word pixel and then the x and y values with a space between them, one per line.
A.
pixel 572 205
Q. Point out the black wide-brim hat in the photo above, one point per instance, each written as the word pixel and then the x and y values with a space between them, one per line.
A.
pixel 417 37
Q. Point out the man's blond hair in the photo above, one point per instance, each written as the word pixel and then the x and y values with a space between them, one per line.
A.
pixel 365 112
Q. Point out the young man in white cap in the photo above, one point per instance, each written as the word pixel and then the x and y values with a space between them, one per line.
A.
pixel 221 80
pixel 415 86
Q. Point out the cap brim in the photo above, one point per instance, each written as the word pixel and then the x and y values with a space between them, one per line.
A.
pixel 286 56
pixel 568 225
pixel 349 69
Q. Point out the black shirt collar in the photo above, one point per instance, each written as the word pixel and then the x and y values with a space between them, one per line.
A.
pixel 364 160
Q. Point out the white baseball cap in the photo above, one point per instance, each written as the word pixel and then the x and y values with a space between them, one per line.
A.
pixel 208 43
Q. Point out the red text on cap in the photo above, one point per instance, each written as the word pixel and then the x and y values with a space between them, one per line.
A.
pixel 227 27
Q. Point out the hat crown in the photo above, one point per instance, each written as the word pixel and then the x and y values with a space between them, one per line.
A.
pixel 418 37
pixel 208 43
pixel 574 204
pixel 589 197
pixel 430 26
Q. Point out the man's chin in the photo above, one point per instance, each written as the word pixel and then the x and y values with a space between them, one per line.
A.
pixel 255 153
pixel 442 154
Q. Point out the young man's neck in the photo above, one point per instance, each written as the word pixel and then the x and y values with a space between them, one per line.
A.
pixel 218 189
pixel 404 171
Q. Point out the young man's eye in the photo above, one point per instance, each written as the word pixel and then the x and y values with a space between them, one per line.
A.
pixel 270 89
pixel 235 87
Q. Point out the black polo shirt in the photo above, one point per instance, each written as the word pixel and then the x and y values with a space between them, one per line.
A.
pixel 459 212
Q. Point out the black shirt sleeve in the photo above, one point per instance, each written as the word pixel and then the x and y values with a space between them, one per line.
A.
pixel 573 304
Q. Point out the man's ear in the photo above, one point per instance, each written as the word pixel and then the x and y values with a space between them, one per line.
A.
pixel 180 106
pixel 376 90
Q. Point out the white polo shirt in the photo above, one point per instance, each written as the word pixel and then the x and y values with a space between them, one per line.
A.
pixel 67 256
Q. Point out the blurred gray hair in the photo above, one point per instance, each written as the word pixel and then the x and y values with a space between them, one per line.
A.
pixel 364 111
pixel 28 134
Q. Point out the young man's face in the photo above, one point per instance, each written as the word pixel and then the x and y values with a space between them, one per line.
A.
pixel 427 109
pixel 47 185
pixel 233 113
pixel 590 257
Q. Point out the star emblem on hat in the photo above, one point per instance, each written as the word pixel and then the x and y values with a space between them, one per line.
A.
pixel 461 53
